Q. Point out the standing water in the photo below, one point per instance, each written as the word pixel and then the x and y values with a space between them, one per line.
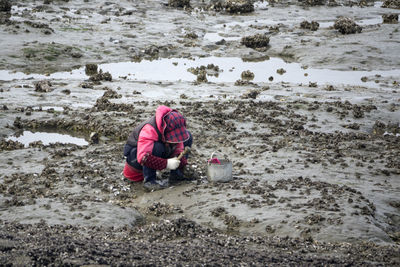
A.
pixel 230 69
pixel 28 137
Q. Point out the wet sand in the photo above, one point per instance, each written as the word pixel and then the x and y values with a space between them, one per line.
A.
pixel 310 122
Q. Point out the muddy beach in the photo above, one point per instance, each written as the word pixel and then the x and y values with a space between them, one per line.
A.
pixel 303 97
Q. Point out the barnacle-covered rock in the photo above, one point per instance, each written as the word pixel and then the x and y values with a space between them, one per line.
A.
pixel 391 4
pixel 313 25
pixel 347 26
pixel 390 18
pixel 239 6
pixel 179 3
pixel 255 41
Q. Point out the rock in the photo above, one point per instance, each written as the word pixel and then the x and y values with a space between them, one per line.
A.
pixel 391 4
pixel 312 84
pixel 216 5
pixel 43 86
pixel 106 76
pixel 314 219
pixel 231 221
pixel 358 112
pixel 94 138
pixel 247 75
pixel 86 85
pixel 36 144
pixel 251 94
pixel 390 18
pixel 313 2
pixel 179 3
pixel 221 42
pixel 245 83
pixel 5 5
pixel 394 128
pixel 313 25
pixel 347 26
pixel 378 128
pixel 395 236
pixel 280 71
pixel 239 6
pixel 210 69
pixel 202 77
pixel 76 55
pixel 39 25
pixel 10 145
pixel 191 35
pixel 18 123
pixel 353 126
pixel 158 209
pixel 270 229
pixel 91 69
pixel 152 51
pixel 111 94
pixel 218 211
pixel 255 41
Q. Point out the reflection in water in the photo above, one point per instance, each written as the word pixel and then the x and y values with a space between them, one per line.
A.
pixel 46 108
pixel 28 137
pixel 175 69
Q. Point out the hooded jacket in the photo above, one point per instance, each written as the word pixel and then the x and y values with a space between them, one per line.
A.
pixel 144 136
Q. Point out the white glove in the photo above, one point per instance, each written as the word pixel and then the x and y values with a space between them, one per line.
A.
pixel 173 164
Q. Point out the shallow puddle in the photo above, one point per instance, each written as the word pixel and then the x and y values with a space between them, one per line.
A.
pixel 231 68
pixel 49 108
pixel 215 37
pixel 28 137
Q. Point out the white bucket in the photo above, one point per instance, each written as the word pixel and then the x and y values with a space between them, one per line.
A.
pixel 219 172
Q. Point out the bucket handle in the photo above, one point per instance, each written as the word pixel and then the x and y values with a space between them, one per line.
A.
pixel 212 155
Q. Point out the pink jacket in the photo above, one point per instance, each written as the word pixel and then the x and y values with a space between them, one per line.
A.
pixel 148 135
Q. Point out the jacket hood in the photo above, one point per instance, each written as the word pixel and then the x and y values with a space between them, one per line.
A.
pixel 161 112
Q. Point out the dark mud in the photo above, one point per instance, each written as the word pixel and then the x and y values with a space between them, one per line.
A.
pixel 175 242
